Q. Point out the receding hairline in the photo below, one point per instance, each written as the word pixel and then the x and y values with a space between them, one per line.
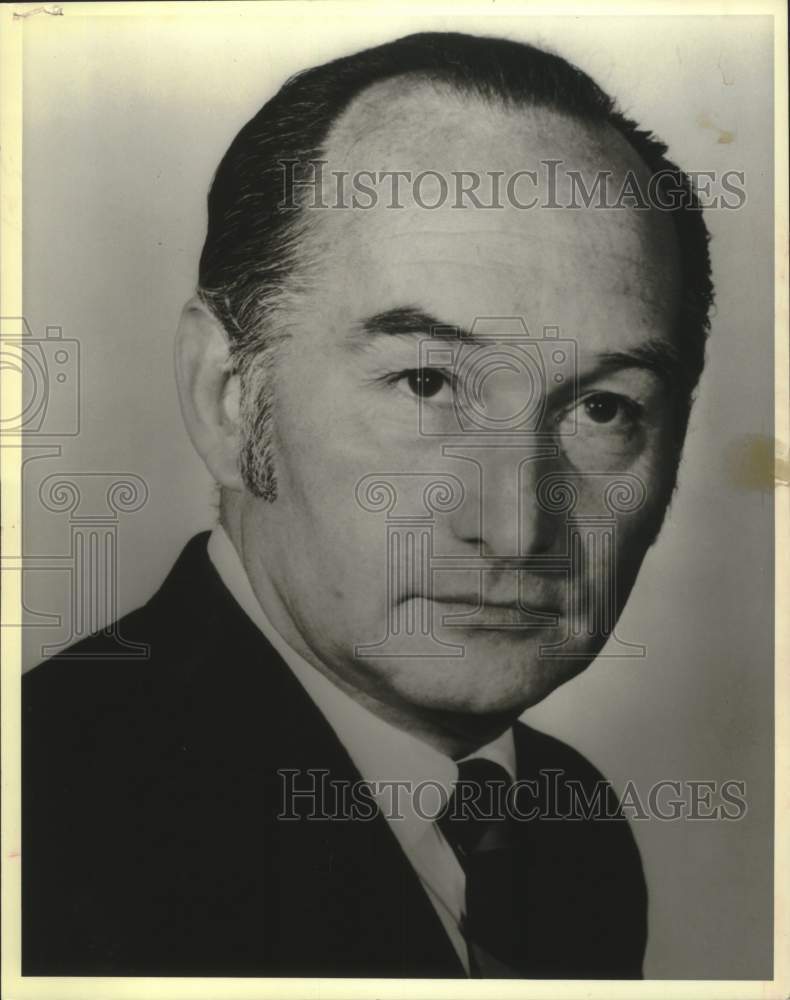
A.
pixel 416 90
pixel 598 142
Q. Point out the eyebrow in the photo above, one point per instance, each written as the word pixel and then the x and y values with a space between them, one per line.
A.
pixel 405 320
pixel 655 355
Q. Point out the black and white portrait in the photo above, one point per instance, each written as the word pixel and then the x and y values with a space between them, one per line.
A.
pixel 395 445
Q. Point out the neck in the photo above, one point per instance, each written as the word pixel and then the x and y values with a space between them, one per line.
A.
pixel 454 734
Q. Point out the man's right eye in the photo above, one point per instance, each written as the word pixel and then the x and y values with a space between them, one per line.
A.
pixel 425 382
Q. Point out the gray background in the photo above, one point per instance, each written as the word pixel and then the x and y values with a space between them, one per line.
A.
pixel 125 120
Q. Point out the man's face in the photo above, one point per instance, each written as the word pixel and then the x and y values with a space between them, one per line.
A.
pixel 464 591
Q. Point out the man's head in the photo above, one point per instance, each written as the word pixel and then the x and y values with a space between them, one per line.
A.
pixel 304 379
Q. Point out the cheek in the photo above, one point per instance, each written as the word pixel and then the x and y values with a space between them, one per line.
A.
pixel 618 517
pixel 340 547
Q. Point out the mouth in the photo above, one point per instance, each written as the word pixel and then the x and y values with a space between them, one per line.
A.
pixel 470 612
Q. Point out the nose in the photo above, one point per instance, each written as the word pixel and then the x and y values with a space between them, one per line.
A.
pixel 500 515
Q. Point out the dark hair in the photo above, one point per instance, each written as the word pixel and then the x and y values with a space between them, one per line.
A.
pixel 253 241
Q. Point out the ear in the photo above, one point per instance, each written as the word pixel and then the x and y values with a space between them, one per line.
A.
pixel 209 394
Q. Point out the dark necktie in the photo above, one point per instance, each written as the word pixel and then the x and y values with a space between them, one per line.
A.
pixel 477 828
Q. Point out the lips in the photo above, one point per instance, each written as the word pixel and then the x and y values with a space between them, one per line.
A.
pixel 454 609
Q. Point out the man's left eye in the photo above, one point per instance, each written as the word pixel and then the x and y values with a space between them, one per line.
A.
pixel 605 408
pixel 602 414
pixel 604 431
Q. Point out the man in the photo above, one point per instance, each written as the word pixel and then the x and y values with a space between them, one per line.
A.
pixel 446 424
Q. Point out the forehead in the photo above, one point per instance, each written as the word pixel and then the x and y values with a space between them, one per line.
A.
pixel 550 265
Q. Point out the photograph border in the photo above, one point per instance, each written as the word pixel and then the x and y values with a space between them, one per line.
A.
pixel 17 987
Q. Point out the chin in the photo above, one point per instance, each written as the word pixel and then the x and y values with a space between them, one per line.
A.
pixel 492 678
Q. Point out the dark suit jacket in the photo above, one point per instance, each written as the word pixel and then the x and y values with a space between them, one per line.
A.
pixel 152 847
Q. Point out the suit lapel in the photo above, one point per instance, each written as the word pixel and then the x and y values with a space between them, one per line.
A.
pixel 310 896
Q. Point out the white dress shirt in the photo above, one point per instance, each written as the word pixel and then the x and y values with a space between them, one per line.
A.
pixel 381 753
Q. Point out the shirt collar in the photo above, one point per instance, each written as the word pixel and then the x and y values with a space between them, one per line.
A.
pixel 380 751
